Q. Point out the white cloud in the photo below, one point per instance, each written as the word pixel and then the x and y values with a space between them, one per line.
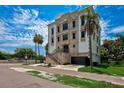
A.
pixel 118 29
pixel 7 37
pixel 3 50
pixel 27 21
pixel 35 12
pixel 17 43
pixel 9 45
pixel 22 16
pixel 30 17
pixel 95 7
pixel 104 29
pixel 3 28
pixel 79 7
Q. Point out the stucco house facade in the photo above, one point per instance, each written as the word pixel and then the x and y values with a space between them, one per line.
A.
pixel 68 40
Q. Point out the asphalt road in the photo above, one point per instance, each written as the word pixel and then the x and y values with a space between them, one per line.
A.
pixel 12 79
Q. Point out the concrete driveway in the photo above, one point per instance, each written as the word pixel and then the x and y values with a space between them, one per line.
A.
pixel 12 79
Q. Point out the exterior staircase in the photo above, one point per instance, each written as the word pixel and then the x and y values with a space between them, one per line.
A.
pixel 53 58
pixel 58 57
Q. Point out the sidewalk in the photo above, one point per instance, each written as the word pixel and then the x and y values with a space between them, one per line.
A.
pixel 100 77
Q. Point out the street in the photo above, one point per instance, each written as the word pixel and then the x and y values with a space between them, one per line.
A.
pixel 12 79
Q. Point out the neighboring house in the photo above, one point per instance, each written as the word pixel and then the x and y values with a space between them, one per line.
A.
pixel 68 41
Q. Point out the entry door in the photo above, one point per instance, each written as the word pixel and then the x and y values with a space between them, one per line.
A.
pixel 65 48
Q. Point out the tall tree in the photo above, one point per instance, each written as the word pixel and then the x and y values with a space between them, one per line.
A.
pixel 91 23
pixel 38 39
pixel 35 40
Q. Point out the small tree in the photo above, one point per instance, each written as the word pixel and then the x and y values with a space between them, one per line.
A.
pixel 4 55
pixel 115 48
pixel 22 52
pixel 103 55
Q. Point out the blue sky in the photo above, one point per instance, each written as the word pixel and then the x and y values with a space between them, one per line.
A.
pixel 18 23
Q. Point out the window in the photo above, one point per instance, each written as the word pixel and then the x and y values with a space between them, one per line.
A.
pixel 65 37
pixel 52 40
pixel 82 34
pixel 97 50
pixel 73 24
pixel 97 39
pixel 93 35
pixel 52 30
pixel 97 31
pixel 82 20
pixel 73 46
pixel 73 36
pixel 58 39
pixel 58 29
pixel 65 26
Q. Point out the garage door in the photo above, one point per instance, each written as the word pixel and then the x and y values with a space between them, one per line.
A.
pixel 80 60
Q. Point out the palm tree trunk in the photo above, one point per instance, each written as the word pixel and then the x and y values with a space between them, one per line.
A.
pixel 38 51
pixel 90 47
pixel 35 53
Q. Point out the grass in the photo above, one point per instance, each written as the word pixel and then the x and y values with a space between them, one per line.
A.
pixel 104 69
pixel 84 83
pixel 77 82
pixel 34 73
pixel 43 75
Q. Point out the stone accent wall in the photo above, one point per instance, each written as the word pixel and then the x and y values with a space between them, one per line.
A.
pixel 58 58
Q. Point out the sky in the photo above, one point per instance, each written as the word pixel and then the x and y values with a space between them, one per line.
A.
pixel 18 24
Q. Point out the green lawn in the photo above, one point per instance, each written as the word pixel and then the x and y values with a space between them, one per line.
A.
pixel 75 81
pixel 110 70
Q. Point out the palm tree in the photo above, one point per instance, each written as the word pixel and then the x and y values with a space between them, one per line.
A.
pixel 35 40
pixel 38 39
pixel 90 25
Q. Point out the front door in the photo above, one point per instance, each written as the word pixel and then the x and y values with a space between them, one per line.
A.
pixel 65 48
